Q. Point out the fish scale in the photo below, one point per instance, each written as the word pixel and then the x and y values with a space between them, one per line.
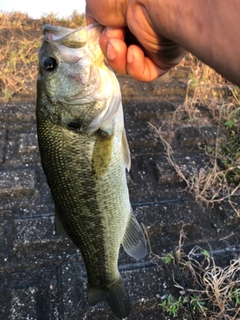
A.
pixel 84 155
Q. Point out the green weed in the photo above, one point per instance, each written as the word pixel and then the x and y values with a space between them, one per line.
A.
pixel 169 258
pixel 171 305
pixel 197 304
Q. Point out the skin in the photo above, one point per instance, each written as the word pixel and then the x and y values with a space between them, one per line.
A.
pixel 159 32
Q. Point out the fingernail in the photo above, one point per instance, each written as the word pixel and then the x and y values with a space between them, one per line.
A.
pixel 112 32
pixel 111 52
pixel 130 56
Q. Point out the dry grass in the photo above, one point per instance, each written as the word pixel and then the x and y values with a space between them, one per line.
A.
pixel 208 184
pixel 212 291
pixel 216 289
pixel 219 179
pixel 20 40
pixel 18 60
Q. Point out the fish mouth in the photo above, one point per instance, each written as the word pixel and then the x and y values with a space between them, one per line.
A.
pixel 57 32
pixel 71 38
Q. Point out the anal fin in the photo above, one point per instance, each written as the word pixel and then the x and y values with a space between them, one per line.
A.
pixel 134 241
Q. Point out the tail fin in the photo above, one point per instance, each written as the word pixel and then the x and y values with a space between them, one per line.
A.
pixel 116 295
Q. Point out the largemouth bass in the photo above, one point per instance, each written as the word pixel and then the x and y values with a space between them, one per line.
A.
pixel 84 153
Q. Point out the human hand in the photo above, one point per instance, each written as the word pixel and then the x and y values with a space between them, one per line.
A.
pixel 132 41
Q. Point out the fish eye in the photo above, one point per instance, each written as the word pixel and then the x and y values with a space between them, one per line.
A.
pixel 50 64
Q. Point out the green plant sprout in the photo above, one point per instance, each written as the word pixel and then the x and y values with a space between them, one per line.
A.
pixel 171 305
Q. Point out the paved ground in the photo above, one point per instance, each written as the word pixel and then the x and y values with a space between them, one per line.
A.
pixel 42 276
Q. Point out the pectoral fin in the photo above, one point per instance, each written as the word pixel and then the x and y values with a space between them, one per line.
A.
pixel 134 241
pixel 126 151
pixel 102 153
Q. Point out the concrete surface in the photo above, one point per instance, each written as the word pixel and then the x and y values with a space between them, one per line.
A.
pixel 42 276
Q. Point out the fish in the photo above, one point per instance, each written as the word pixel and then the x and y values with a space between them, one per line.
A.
pixel 85 155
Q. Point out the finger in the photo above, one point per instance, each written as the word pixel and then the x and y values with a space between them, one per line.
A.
pixel 141 67
pixel 116 54
pixel 109 33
